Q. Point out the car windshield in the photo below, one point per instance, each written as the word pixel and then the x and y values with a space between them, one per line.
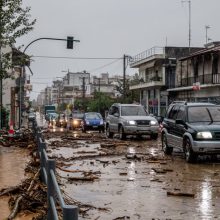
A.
pixel 133 111
pixel 78 115
pixel 204 114
pixel 93 116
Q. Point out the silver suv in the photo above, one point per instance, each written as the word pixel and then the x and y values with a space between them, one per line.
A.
pixel 130 119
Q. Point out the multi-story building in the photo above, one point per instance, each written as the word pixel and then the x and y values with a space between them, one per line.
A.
pixel 14 88
pixel 48 95
pixel 103 84
pixel 198 76
pixel 74 85
pixel 157 73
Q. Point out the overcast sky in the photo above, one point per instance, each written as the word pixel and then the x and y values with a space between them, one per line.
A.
pixel 110 29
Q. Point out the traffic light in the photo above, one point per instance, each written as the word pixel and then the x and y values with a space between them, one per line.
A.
pixel 70 42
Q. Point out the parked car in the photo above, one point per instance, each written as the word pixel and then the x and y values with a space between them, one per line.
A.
pixel 130 119
pixel 75 120
pixel 93 121
pixel 193 128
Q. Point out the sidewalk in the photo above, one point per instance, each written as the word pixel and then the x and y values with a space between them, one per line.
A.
pixel 12 164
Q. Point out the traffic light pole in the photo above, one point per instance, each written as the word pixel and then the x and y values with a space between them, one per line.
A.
pixel 69 40
pixel 51 38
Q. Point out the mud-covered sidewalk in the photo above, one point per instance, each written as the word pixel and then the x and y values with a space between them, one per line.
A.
pixel 22 196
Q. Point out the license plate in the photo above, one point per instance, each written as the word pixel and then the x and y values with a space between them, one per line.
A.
pixel 95 126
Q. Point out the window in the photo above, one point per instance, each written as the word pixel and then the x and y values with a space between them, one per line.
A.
pixel 181 113
pixel 173 112
pixel 113 110
pixel 198 114
pixel 133 110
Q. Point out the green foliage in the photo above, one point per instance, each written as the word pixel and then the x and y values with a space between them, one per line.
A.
pixel 100 103
pixel 14 23
pixel 129 96
pixel 61 107
pixel 5 117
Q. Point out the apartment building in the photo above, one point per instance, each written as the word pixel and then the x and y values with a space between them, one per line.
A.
pixel 157 73
pixel 198 76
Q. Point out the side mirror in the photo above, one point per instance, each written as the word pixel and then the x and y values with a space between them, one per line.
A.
pixel 116 114
pixel 160 119
pixel 180 122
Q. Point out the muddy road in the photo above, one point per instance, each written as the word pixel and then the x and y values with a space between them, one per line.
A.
pixel 133 179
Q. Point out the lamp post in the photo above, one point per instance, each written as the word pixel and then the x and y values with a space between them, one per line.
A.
pixel 69 40
pixel 189 2
pixel 206 33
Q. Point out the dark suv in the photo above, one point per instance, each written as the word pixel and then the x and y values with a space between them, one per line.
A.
pixel 192 127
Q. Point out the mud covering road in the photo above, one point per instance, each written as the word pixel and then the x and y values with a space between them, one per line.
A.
pixel 133 179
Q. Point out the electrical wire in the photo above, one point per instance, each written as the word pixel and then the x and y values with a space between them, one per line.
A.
pixel 78 58
pixel 108 64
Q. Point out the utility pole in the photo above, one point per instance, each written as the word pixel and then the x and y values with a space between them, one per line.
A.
pixel 99 95
pixel 124 76
pixel 126 59
pixel 83 85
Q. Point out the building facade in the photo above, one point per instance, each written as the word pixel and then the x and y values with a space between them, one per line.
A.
pixel 157 73
pixel 198 76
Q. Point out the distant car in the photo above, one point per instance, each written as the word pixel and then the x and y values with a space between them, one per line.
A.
pixel 31 116
pixel 193 128
pixel 130 119
pixel 61 121
pixel 75 120
pixel 93 121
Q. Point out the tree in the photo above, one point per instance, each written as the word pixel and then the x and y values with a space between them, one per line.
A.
pixel 130 96
pixel 14 23
pixel 100 103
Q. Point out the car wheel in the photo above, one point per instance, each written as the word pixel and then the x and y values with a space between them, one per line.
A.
pixel 165 147
pixel 154 136
pixel 189 154
pixel 109 134
pixel 122 135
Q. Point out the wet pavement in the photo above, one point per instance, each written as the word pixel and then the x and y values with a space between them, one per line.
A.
pixel 133 179
pixel 12 165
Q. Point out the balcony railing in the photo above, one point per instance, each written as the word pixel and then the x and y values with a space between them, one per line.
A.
pixel 206 79
pixel 146 54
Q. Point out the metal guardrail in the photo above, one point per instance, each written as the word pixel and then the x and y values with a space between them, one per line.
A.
pixel 47 175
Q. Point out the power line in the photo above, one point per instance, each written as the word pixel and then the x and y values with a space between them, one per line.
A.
pixel 101 67
pixel 80 58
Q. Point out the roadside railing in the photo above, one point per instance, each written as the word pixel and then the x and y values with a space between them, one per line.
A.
pixel 47 175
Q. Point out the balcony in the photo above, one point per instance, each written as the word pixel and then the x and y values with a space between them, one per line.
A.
pixel 206 79
pixel 154 81
pixel 145 56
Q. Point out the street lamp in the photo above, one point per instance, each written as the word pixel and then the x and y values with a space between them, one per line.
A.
pixel 206 33
pixel 189 2
pixel 70 40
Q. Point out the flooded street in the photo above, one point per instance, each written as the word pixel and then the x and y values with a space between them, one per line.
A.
pixel 133 179
pixel 12 165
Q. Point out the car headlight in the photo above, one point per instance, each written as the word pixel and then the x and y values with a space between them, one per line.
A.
pixel 75 122
pixel 101 122
pixel 204 135
pixel 153 122
pixel 132 122
pixel 87 122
